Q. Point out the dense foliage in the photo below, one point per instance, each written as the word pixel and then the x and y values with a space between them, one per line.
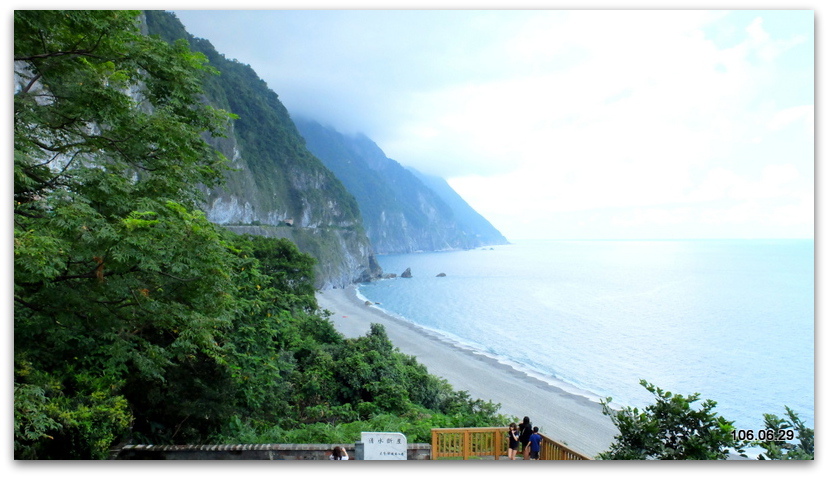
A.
pixel 674 429
pixel 135 318
pixel 784 449
pixel 670 429
pixel 102 179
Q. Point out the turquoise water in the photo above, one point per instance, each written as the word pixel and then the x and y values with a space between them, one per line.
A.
pixel 731 320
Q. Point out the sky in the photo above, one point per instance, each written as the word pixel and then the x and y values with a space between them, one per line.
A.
pixel 556 124
pixel 563 124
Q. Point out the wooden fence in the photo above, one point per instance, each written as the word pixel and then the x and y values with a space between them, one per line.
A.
pixel 489 442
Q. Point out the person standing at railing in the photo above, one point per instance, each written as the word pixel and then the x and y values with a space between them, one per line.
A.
pixel 525 433
pixel 535 444
pixel 514 440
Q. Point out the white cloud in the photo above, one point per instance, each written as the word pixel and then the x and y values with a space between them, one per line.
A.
pixel 550 113
pixel 788 116
pixel 676 105
pixel 800 214
pixel 771 185
pixel 776 181
pixel 662 217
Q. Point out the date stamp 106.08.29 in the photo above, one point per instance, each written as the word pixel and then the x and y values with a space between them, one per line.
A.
pixel 764 435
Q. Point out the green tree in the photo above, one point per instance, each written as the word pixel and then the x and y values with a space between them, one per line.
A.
pixel 135 317
pixel 286 270
pixel 118 279
pixel 787 428
pixel 670 429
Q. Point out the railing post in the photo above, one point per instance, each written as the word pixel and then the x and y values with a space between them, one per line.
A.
pixel 446 442
pixel 497 441
pixel 542 452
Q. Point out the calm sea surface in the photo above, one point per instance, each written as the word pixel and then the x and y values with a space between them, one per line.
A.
pixel 732 320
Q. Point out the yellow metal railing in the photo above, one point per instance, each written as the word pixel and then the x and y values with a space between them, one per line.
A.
pixel 466 443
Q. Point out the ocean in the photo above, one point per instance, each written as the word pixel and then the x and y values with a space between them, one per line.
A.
pixel 732 320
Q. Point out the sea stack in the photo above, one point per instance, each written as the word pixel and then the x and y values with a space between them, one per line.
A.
pixel 407 273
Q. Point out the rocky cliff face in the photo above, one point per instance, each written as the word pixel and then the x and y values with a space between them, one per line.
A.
pixel 339 198
pixel 276 187
pixel 470 220
pixel 329 230
pixel 400 212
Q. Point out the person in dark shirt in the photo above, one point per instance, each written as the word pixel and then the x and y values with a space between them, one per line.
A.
pixel 534 444
pixel 514 440
pixel 525 432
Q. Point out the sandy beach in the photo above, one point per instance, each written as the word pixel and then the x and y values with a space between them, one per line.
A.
pixel 571 419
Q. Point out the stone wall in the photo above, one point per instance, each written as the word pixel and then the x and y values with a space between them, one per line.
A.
pixel 416 451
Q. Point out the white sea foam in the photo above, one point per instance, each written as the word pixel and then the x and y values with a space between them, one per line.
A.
pixel 594 318
pixel 479 349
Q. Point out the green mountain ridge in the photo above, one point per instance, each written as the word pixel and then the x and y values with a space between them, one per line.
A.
pixel 276 188
pixel 136 318
pixel 471 220
pixel 338 197
pixel 403 211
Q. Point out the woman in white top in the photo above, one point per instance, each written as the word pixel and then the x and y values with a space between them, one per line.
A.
pixel 339 453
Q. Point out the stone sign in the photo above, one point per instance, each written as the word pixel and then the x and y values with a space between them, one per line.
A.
pixel 384 446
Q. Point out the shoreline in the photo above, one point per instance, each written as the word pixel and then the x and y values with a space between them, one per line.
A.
pixel 513 368
pixel 569 418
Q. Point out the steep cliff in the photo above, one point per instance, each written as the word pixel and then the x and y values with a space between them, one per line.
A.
pixel 276 187
pixel 471 221
pixel 400 212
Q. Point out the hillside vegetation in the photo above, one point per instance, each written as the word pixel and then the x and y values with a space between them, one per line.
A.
pixel 274 186
pixel 137 319
pixel 400 214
